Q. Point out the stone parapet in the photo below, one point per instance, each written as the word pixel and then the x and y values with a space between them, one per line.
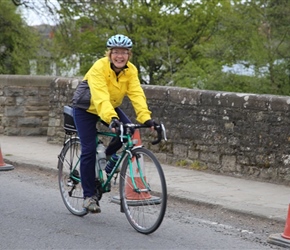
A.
pixel 243 135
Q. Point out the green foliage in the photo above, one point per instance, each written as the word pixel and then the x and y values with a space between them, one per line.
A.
pixel 198 166
pixel 255 33
pixel 17 41
pixel 159 30
pixel 181 43
pixel 195 165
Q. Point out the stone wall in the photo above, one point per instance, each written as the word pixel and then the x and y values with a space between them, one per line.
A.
pixel 24 105
pixel 243 135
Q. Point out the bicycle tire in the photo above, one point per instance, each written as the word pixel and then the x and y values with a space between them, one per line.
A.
pixel 144 210
pixel 71 190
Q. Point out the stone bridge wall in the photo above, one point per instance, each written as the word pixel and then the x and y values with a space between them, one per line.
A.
pixel 243 135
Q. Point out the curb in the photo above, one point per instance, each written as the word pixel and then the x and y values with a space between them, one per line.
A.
pixel 197 202
pixel 32 166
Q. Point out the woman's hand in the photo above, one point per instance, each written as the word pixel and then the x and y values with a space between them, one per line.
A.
pixel 151 123
pixel 114 125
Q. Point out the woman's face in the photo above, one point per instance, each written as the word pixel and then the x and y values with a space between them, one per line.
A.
pixel 120 57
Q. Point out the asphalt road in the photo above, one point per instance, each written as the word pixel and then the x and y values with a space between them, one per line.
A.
pixel 33 216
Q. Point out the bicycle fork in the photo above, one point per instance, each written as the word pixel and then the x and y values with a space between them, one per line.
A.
pixel 136 168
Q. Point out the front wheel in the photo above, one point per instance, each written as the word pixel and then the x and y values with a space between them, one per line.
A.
pixel 69 177
pixel 143 190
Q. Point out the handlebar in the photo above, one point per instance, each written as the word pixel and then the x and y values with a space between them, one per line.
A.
pixel 160 129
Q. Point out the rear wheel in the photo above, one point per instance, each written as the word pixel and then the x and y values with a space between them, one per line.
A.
pixel 145 203
pixel 69 177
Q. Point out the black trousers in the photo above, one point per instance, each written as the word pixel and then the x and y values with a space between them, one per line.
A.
pixel 86 127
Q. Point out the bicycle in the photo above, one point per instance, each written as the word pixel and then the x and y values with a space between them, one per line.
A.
pixel 142 185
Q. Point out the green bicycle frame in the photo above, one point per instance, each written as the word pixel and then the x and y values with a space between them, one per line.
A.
pixel 127 149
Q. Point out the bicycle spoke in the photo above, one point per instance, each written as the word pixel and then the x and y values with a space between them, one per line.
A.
pixel 69 175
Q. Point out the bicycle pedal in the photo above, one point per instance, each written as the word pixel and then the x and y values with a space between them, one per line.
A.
pixel 69 182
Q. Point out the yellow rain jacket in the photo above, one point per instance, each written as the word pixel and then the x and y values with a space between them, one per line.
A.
pixel 108 90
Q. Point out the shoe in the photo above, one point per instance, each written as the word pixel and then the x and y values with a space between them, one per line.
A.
pixel 90 203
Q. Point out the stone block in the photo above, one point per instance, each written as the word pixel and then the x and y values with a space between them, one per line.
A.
pixel 180 150
pixel 14 111
pixel 228 163
pixel 209 157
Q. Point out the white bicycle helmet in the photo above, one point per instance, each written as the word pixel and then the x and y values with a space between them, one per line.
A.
pixel 119 41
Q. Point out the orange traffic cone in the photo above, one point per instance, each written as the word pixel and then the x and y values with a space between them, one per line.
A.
pixel 3 165
pixel 286 233
pixel 130 193
pixel 284 238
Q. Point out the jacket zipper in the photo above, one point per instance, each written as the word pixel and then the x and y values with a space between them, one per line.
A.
pixel 117 76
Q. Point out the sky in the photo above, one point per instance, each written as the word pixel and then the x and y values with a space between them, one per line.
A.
pixel 36 12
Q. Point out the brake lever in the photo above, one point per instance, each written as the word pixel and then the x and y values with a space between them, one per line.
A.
pixel 163 131
pixel 160 131
pixel 121 132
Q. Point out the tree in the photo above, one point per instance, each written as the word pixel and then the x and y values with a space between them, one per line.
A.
pixel 17 2
pixel 182 43
pixel 255 34
pixel 166 35
pixel 17 41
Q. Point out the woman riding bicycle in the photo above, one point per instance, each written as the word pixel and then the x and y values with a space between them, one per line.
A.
pixel 99 95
